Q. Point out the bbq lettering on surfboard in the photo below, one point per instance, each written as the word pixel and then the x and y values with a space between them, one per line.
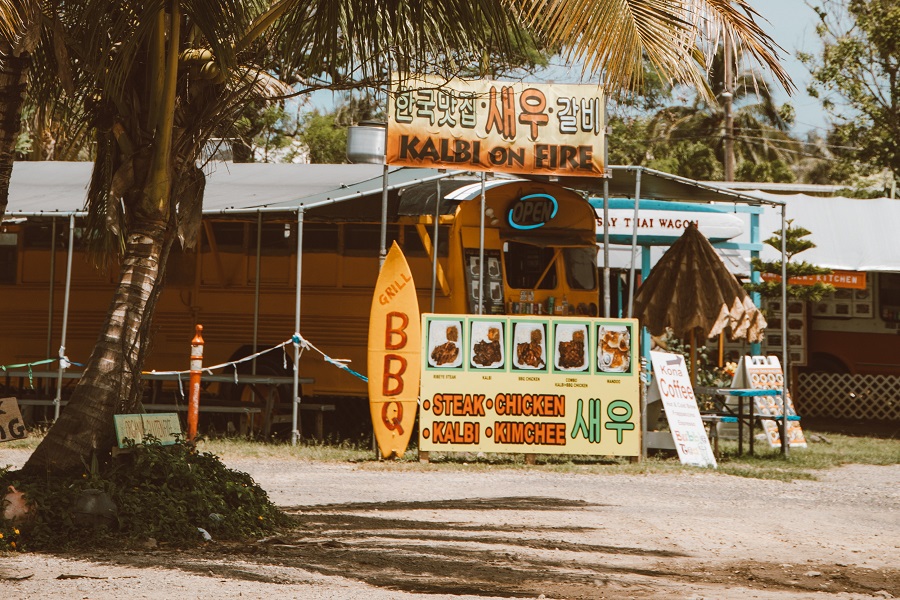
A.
pixel 394 355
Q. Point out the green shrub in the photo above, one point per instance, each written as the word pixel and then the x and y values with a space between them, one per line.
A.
pixel 163 493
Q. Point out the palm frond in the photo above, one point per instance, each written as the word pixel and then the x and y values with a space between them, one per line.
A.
pixel 679 37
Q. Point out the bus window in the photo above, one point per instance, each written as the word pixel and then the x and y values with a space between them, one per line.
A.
pixel 889 296
pixel 229 236
pixel 525 264
pixel 363 239
pixel 8 256
pixel 412 243
pixel 319 237
pixel 181 266
pixel 581 267
pixel 277 239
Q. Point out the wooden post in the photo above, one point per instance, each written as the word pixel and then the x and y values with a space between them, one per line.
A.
pixel 193 413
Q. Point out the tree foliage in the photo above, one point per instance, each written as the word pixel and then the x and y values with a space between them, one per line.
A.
pixel 857 76
pixel 687 137
pixel 794 245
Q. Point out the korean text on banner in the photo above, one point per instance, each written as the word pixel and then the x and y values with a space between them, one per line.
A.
pixel 544 129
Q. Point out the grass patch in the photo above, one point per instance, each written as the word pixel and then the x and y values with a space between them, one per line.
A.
pixel 309 451
pixel 825 451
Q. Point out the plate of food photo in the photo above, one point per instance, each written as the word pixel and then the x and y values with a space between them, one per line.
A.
pixel 487 344
pixel 571 345
pixel 614 348
pixel 444 344
pixel 530 346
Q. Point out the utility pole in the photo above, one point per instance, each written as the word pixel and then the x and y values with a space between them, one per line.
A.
pixel 728 99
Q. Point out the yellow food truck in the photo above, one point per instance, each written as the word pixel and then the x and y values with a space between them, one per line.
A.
pixel 536 242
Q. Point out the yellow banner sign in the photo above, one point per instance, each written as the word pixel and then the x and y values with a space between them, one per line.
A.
pixel 530 385
pixel 545 129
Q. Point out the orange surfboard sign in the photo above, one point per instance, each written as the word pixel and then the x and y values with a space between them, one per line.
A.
pixel 394 355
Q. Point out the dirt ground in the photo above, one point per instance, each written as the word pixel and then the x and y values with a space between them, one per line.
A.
pixel 387 530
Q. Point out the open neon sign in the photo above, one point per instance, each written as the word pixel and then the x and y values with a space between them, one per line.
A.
pixel 532 211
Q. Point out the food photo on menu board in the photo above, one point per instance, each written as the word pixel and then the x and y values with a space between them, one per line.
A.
pixel 614 348
pixel 444 343
pixel 529 342
pixel 571 347
pixel 487 342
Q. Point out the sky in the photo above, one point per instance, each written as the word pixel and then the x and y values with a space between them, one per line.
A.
pixel 791 23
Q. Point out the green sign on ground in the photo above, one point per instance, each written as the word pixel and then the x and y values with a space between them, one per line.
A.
pixel 163 426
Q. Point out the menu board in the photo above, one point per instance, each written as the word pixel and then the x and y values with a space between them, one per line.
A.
pixel 763 373
pixel 492 299
pixel 672 380
pixel 529 384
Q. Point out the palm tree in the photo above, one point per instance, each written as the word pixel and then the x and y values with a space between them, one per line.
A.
pixel 760 127
pixel 157 79
pixel 20 27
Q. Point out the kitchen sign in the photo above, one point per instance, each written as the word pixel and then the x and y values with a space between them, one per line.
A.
pixel 854 280
pixel 510 127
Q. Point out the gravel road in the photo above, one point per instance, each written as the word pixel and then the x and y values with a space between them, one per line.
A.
pixel 394 530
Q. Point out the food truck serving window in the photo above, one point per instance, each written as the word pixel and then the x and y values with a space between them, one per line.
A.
pixel 581 267
pixel 526 263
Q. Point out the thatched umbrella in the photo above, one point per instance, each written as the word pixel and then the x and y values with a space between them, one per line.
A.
pixel 691 291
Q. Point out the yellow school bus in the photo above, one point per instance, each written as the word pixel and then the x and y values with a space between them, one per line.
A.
pixel 539 257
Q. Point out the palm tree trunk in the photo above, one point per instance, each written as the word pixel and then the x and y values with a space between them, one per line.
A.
pixel 13 75
pixel 111 380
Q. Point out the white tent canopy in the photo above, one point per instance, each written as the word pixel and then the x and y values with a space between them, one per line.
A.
pixel 850 234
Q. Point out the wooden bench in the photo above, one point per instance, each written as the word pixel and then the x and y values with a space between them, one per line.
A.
pixel 319 414
pixel 207 404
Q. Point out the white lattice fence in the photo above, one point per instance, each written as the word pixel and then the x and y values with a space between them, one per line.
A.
pixel 848 396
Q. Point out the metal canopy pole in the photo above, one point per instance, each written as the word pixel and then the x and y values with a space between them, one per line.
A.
pixel 65 324
pixel 637 201
pixel 434 243
pixel 295 425
pixel 481 251
pixel 382 254
pixel 785 443
pixel 256 290
pixel 606 282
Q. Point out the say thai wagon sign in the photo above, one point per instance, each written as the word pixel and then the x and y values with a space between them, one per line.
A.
pixel 528 384
pixel 482 125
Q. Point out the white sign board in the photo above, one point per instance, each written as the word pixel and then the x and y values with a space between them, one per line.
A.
pixel 764 373
pixel 671 377
pixel 11 425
